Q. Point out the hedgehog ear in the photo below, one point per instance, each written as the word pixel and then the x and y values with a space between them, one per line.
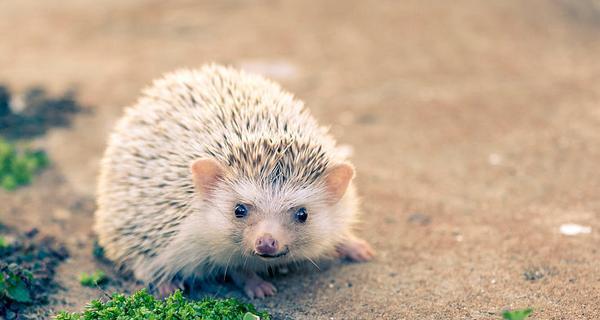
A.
pixel 337 180
pixel 205 173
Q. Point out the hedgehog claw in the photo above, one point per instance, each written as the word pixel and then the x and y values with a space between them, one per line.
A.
pixel 253 285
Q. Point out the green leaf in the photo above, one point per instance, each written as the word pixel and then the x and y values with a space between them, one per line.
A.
pixel 517 314
pixel 250 316
pixel 19 292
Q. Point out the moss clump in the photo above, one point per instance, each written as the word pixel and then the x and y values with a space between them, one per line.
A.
pixel 142 305
pixel 17 168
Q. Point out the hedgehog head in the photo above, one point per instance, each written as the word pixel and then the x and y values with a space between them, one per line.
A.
pixel 275 201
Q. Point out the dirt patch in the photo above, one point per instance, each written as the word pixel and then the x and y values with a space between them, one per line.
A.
pixel 33 112
pixel 27 268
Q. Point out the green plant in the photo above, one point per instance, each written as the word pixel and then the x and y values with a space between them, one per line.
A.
pixel 517 314
pixel 14 284
pixel 142 305
pixel 94 279
pixel 18 167
pixel 27 266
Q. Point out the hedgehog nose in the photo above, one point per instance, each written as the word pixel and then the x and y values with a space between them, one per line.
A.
pixel 266 245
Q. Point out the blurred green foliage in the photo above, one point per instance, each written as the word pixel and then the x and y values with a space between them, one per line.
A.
pixel 18 167
pixel 517 314
pixel 14 284
pixel 94 279
pixel 3 243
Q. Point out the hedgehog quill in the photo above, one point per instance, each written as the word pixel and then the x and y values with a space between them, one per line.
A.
pixel 216 171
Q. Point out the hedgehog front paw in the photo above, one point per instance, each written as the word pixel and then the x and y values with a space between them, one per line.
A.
pixel 166 289
pixel 253 285
pixel 355 249
pixel 259 288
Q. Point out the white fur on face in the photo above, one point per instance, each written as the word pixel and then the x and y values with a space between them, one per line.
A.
pixel 274 207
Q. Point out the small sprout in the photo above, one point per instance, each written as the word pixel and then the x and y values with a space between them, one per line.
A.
pixel 517 314
pixel 94 279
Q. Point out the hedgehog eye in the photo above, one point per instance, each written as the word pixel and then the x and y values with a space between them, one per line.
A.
pixel 301 215
pixel 240 210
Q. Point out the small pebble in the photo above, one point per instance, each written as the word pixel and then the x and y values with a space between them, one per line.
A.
pixel 419 218
pixel 31 233
pixel 495 159
pixel 367 119
pixel 17 103
pixel 571 229
pixel 10 315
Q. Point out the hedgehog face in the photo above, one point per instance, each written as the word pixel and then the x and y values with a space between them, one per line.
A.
pixel 278 223
pixel 274 223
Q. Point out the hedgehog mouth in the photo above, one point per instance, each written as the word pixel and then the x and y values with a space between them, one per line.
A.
pixel 273 256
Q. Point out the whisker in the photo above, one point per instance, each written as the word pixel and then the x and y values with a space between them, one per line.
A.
pixel 311 261
pixel 227 265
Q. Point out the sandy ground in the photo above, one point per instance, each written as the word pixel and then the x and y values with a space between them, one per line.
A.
pixel 474 126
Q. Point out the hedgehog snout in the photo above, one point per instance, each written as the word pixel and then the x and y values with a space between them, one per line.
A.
pixel 266 245
pixel 268 240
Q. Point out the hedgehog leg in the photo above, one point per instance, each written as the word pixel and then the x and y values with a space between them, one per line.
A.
pixel 167 288
pixel 355 249
pixel 253 285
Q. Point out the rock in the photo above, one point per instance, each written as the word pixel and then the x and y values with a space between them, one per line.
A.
pixel 10 315
pixel 419 218
pixel 4 101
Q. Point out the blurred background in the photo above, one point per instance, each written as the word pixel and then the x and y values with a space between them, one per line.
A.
pixel 474 127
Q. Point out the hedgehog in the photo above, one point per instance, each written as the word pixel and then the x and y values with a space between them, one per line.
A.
pixel 215 171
